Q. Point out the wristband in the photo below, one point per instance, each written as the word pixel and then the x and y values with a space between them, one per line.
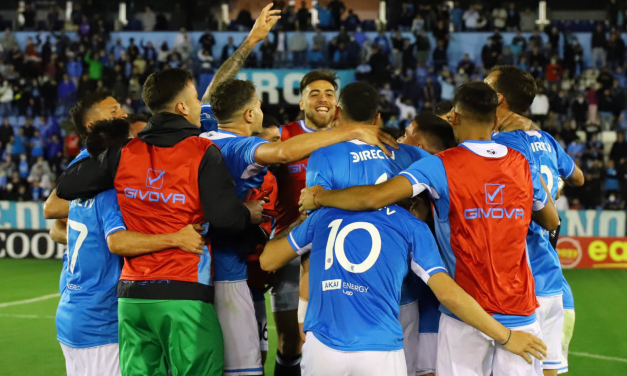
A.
pixel 302 310
pixel 508 338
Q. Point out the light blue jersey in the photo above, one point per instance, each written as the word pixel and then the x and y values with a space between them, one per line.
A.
pixel 357 264
pixel 208 122
pixel 551 160
pixel 87 315
pixel 568 298
pixel 82 155
pixel 356 163
pixel 238 153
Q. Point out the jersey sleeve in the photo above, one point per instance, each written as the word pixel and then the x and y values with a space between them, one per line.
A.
pixel 245 149
pixel 427 174
pixel 208 122
pixel 517 140
pixel 417 153
pixel 301 237
pixel 82 155
pixel 565 164
pixel 319 170
pixel 110 213
pixel 540 197
pixel 426 259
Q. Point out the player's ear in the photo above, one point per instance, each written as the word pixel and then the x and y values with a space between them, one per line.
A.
pixel 181 108
pixel 501 98
pixel 249 115
pixel 301 104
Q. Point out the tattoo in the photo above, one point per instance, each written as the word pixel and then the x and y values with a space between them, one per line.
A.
pixel 229 69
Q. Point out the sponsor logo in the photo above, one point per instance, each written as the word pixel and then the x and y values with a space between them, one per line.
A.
pixel 153 196
pixel 331 284
pixel 154 178
pixel 296 168
pixel 569 252
pixel 494 194
pixel 72 286
pixel 589 252
pixel 540 146
pixel 19 244
pixel 369 155
pixel 357 288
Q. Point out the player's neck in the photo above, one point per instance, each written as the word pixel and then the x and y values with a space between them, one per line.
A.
pixel 475 133
pixel 311 125
pixel 238 129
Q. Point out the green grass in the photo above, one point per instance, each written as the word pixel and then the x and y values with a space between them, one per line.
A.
pixel 28 343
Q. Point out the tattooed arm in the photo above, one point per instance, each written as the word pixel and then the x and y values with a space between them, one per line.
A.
pixel 266 20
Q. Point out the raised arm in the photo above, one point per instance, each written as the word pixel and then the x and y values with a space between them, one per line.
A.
pixel 301 146
pixel 90 176
pixel 357 198
pixel 131 243
pixel 266 20
pixel 56 208
pixel 468 310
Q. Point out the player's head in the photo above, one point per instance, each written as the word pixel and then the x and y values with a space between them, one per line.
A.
pixel 317 96
pixel 94 107
pixel 516 88
pixel 235 103
pixel 359 103
pixel 474 110
pixel 173 90
pixel 430 133
pixel 105 134
pixel 443 110
pixel 137 122
pixel 271 129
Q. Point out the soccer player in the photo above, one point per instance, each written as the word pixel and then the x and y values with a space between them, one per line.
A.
pixel 569 324
pixel 87 317
pixel 516 89
pixel 166 177
pixel 358 261
pixel 355 163
pixel 479 188
pixel 238 110
pixel 443 110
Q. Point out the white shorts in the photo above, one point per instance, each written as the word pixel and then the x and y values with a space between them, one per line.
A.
pixel 551 319
pixel 319 359
pixel 427 353
pixel 92 361
pixel 567 335
pixel 409 319
pixel 465 351
pixel 262 323
pixel 236 312
pixel 284 294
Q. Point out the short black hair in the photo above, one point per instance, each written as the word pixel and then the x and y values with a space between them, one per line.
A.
pixel 134 118
pixel 270 121
pixel 442 108
pixel 517 86
pixel 436 130
pixel 229 97
pixel 478 100
pixel 105 134
pixel 162 87
pixel 78 111
pixel 327 75
pixel 360 101
pixel 392 131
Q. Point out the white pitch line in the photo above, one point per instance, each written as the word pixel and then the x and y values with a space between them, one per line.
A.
pixel 33 300
pixel 601 357
pixel 26 316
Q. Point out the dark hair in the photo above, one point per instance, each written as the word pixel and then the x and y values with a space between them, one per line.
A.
pixel 436 130
pixel 327 75
pixel 478 100
pixel 134 118
pixel 270 121
pixel 162 87
pixel 105 134
pixel 393 131
pixel 229 97
pixel 517 86
pixel 78 111
pixel 442 108
pixel 360 101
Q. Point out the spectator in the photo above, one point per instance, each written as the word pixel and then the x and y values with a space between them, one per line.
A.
pixel 423 46
pixel 615 51
pixel 528 20
pixel 576 148
pixel 573 57
pixel 183 44
pixel 606 79
pixel 74 69
pixel 554 70
pixel 559 104
pixel 418 24
pixel 506 58
pixel 8 41
pixel 66 92
pixel 619 148
pixel 207 41
pixel 430 92
pixel 29 129
pixel 325 17
pixel 244 19
pixel 612 202
pixel 6 98
pixel 405 108
pixel 337 8
pixel 315 57
pixel 540 107
pixel 513 18
pixel 523 63
pixel 489 55
pixel 297 45
pixel 467 65
pixel 537 57
pixel 352 21
pixel 95 66
pixel 598 44
pixel 39 169
pixel 457 16
pixel 206 61
pixel 383 42
pixel 406 17
pixel 178 18
pixel 164 52
pixel 319 40
pixel 72 145
pixel 592 99
pixel 228 49
pixel 499 17
pixel 6 131
pixel 461 77
pixel 304 16
pixel 447 86
pixel 471 18
pixel 440 58
pixel 22 167
pixel 148 19
pixel 54 152
pixel 594 148
pixel 606 108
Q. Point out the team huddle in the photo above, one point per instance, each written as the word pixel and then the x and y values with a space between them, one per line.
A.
pixel 433 255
